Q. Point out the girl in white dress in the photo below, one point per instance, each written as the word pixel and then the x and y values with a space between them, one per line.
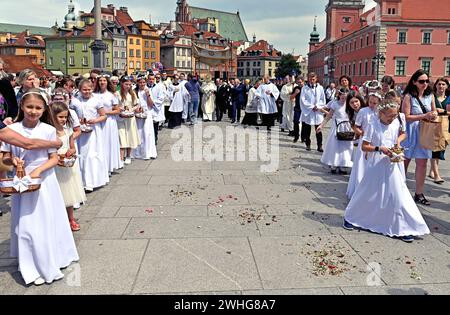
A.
pixel 147 149
pixel 337 154
pixel 106 92
pixel 92 156
pixel 41 238
pixel 69 178
pixel 363 120
pixel 128 131
pixel 382 202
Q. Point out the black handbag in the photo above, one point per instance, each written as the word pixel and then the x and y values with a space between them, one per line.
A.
pixel 346 135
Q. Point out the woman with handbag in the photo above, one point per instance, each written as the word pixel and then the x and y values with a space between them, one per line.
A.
pixel 419 108
pixel 338 151
pixel 440 87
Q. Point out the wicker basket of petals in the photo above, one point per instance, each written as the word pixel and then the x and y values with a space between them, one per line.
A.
pixel 21 183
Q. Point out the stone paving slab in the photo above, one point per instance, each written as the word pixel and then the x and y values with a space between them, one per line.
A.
pixel 188 227
pixel 190 265
pixel 162 211
pixel 424 261
pixel 284 262
pixel 107 267
pixel 278 194
pixel 107 229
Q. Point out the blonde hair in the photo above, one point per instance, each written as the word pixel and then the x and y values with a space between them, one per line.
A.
pixel 24 75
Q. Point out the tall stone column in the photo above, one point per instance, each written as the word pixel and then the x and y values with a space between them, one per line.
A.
pixel 98 46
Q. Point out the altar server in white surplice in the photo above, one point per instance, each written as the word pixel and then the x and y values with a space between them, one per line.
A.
pixel 268 94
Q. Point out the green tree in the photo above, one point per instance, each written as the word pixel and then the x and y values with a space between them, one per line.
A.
pixel 288 65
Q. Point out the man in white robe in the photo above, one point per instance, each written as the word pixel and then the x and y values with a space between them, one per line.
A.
pixel 178 96
pixel 288 105
pixel 158 97
pixel 268 94
pixel 313 103
pixel 209 99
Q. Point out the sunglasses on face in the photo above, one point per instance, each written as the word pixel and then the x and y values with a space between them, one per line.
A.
pixel 424 81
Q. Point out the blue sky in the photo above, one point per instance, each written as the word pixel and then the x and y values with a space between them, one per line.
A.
pixel 284 23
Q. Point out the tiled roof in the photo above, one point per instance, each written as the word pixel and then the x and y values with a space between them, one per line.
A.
pixel 21 41
pixel 230 24
pixel 263 46
pixel 16 64
pixel 189 29
pixel 123 18
pixel 18 28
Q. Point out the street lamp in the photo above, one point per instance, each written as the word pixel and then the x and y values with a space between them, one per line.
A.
pixel 379 58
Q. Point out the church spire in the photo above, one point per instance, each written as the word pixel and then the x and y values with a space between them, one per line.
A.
pixel 183 12
pixel 314 36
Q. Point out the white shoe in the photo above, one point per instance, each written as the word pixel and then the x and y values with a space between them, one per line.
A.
pixel 39 281
pixel 76 206
pixel 89 189
pixel 127 161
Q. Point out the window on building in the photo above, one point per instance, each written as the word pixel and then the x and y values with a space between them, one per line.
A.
pixel 178 51
pixel 270 63
pixel 116 54
pixel 27 51
pixel 131 65
pixel 402 37
pixel 347 19
pixel 426 38
pixel 426 65
pixel 361 43
pixel 146 55
pixel 248 64
pixel 138 41
pixel 138 53
pixel 107 62
pixel 259 63
pixel 178 63
pixel 189 64
pixel 85 47
pixel 354 69
pixel 360 68
pixel 366 68
pixel 248 71
pixel 131 53
pixel 124 55
pixel 122 43
pixel 71 47
pixel 183 64
pixel 63 61
pixel 183 42
pixel 50 61
pixel 270 72
pixel 116 43
pixel 131 42
pixel 85 61
pixel 183 51
pixel 146 44
pixel 153 44
pixel 153 54
pixel 116 65
pixel 400 67
pixel 188 52
pixel 138 65
pixel 72 61
pixel 374 66
pixel 448 37
pixel 374 38
pixel 342 69
pixel 447 68
pixel 367 40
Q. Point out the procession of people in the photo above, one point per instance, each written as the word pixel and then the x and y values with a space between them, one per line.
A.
pixel 89 127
